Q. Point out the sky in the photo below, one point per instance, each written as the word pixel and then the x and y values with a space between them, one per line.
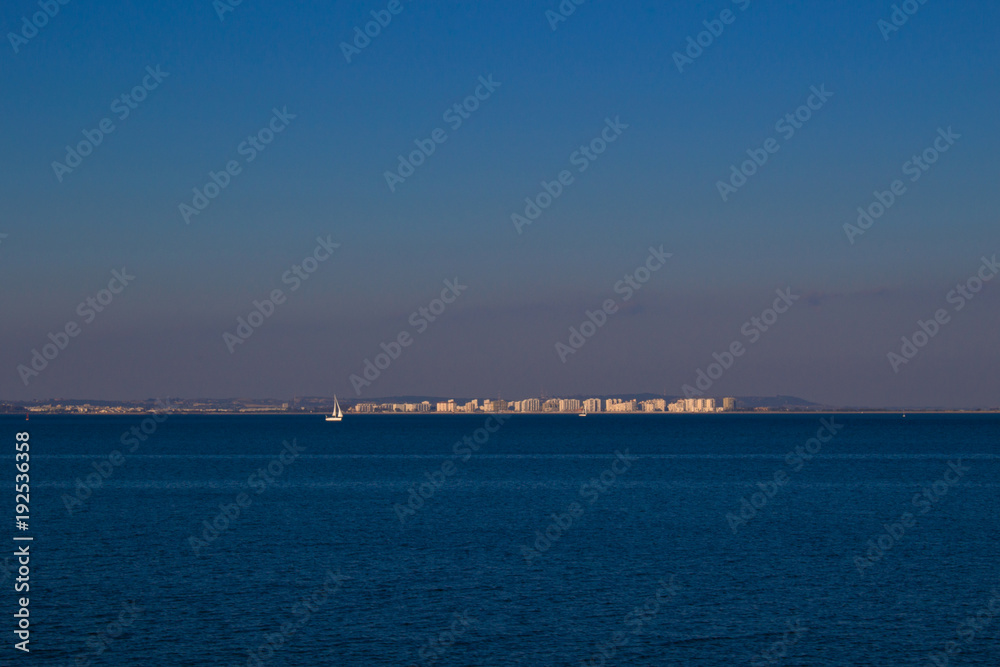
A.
pixel 677 118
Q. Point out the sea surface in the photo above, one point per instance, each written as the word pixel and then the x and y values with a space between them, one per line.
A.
pixel 555 540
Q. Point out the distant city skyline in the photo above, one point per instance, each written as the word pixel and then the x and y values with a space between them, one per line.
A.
pixel 623 403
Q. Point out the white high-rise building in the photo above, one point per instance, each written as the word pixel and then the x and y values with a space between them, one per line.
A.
pixel 569 405
pixel 694 405
pixel 622 406
pixel 592 405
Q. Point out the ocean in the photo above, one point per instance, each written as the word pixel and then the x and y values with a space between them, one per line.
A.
pixel 459 540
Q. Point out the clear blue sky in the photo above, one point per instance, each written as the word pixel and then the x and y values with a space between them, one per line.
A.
pixel 656 184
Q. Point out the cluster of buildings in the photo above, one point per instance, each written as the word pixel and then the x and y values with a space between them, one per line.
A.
pixel 178 405
pixel 702 405
pixel 85 409
pixel 425 406
pixel 554 405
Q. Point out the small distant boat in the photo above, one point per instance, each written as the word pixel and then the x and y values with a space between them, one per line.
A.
pixel 338 414
pixel 582 414
pixel 27 416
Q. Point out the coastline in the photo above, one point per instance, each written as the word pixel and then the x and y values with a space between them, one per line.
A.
pixel 258 413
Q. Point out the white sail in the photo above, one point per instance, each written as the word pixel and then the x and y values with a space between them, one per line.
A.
pixel 338 414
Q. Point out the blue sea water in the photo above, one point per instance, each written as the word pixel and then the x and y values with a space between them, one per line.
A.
pixel 555 540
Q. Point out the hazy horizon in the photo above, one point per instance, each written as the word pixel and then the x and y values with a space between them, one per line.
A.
pixel 347 400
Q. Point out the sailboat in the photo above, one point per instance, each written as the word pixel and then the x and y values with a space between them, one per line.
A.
pixel 338 414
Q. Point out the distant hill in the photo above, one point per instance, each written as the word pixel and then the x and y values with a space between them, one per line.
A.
pixel 775 402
